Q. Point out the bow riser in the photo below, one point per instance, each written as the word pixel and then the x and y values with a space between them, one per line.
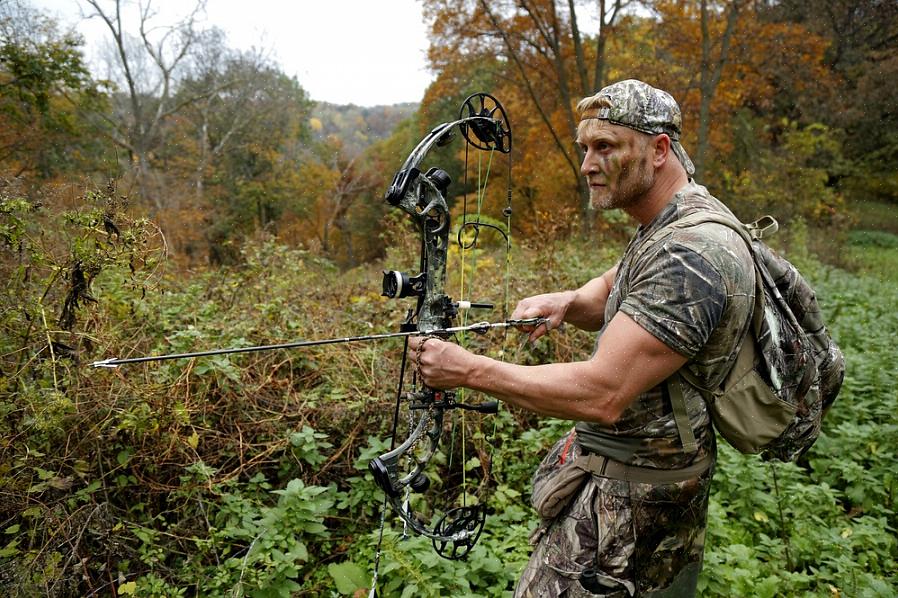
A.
pixel 436 310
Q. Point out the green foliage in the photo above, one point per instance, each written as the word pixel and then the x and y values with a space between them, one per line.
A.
pixel 44 89
pixel 827 525
pixel 874 252
pixel 247 474
pixel 37 59
pixel 790 181
pixel 874 239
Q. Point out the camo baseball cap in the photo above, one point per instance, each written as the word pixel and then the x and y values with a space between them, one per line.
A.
pixel 640 106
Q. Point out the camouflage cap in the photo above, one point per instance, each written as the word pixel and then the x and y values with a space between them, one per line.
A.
pixel 640 106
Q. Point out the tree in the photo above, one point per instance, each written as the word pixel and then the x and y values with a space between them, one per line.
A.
pixel 227 96
pixel 255 178
pixel 43 83
pixel 148 68
pixel 548 57
pixel 711 70
pixel 863 57
pixel 335 183
pixel 772 71
pixel 213 136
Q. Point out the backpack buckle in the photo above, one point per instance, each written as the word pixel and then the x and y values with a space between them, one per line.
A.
pixel 762 227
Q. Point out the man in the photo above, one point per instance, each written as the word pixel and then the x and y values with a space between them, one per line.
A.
pixel 636 525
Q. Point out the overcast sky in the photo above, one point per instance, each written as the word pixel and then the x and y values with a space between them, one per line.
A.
pixel 364 52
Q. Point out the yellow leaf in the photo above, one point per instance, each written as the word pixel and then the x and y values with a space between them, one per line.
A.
pixel 847 532
pixel 129 587
pixel 762 517
pixel 193 440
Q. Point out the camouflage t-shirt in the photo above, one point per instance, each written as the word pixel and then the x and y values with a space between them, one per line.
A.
pixel 694 291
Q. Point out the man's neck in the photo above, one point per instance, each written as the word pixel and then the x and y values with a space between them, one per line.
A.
pixel 665 187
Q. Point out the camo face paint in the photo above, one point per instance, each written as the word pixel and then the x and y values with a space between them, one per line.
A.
pixel 616 164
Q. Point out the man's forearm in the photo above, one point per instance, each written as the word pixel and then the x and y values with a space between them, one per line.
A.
pixel 598 389
pixel 586 309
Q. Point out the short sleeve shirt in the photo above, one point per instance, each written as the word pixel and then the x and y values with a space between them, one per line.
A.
pixel 693 290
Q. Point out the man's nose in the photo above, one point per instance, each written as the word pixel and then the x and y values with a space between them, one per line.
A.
pixel 588 164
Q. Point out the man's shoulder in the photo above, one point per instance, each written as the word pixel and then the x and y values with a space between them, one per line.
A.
pixel 694 197
pixel 716 243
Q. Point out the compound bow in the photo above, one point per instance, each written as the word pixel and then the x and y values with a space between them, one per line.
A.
pixel 422 195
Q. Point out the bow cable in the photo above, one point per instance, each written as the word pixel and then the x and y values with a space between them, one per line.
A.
pixel 476 224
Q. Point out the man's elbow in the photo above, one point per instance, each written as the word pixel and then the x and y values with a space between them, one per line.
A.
pixel 609 409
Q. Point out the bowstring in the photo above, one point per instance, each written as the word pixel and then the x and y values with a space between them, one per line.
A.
pixel 482 184
pixel 462 336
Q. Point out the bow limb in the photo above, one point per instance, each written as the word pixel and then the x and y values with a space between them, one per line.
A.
pixel 386 468
pixel 456 532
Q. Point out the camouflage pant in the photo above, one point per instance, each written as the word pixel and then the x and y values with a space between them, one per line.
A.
pixel 621 539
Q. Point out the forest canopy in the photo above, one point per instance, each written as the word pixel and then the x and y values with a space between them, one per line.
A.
pixel 786 109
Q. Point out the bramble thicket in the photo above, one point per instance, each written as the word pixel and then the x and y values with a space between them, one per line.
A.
pixel 204 200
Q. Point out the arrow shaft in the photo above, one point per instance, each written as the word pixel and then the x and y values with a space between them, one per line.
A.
pixel 479 327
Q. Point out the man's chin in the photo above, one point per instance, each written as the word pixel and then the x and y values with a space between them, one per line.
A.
pixel 601 199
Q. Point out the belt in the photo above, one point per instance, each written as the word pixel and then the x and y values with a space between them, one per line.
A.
pixel 609 468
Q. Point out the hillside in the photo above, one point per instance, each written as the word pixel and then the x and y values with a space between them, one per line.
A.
pixel 357 127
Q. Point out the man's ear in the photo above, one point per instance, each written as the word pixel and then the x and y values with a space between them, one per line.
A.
pixel 660 150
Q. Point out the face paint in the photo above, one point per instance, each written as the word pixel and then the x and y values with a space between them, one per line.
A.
pixel 616 165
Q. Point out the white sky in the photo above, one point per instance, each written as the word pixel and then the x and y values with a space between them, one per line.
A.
pixel 364 52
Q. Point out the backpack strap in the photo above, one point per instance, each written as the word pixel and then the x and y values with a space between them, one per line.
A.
pixel 762 227
pixel 681 417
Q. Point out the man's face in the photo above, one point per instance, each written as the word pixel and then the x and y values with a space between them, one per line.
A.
pixel 617 163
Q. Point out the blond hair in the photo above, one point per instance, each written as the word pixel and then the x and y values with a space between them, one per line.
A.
pixel 592 103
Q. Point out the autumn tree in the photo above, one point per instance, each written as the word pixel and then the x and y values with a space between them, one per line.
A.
pixel 552 60
pixel 44 83
pixel 333 183
pixel 724 61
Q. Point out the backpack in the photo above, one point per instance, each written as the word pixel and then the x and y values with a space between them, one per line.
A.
pixel 788 371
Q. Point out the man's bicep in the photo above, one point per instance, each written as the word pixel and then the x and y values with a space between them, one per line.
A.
pixel 634 360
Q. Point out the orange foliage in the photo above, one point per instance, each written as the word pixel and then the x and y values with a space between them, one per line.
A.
pixel 527 52
pixel 764 57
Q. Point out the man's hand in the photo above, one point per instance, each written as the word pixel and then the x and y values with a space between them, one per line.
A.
pixel 551 306
pixel 441 365
pixel 583 308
